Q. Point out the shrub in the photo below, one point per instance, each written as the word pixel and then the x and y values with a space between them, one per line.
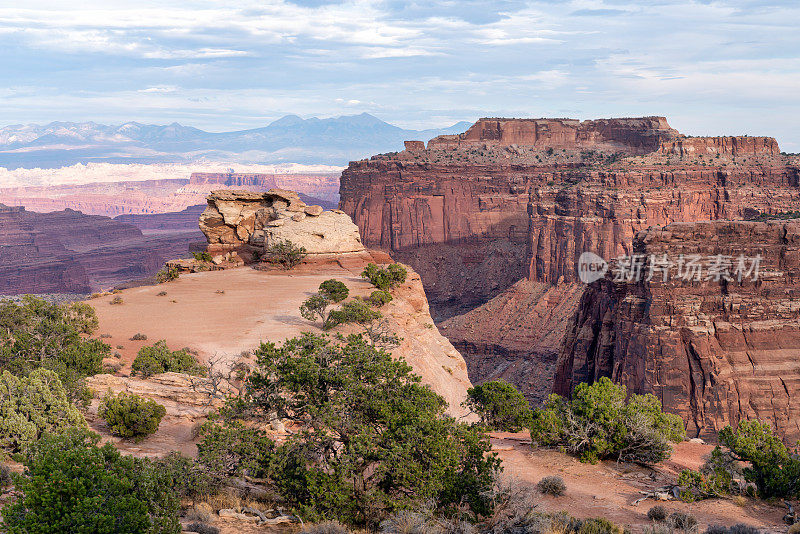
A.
pixel 794 529
pixel 138 337
pixel 683 521
pixel 657 513
pixel 361 415
pixel 500 406
pixel 31 406
pixel 774 469
pixel 159 359
pixel 167 273
pixel 229 448
pixel 552 485
pixel 131 416
pixel 284 253
pixel 598 423
pixel 379 297
pixel 334 290
pixel 161 294
pixel 202 256
pixel 188 477
pixel 202 528
pixel 599 525
pixel 72 485
pixel 326 527
pixel 385 278
pixel 116 300
pixel 5 478
pixel 716 477
pixel 37 334
pixel 353 311
pixel 739 528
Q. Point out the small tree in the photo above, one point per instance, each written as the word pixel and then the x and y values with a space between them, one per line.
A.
pixel 500 406
pixel 316 306
pixel 72 485
pixel 774 469
pixel 284 253
pixel 385 278
pixel 334 290
pixel 379 297
pixel 131 416
pixel 369 438
pixel 353 311
pixel 598 422
pixel 716 477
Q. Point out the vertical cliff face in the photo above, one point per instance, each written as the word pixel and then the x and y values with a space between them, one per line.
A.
pixel 715 351
pixel 514 200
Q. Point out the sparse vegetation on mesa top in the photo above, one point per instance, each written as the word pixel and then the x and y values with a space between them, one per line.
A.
pixel 284 253
pixel 385 278
pixel 552 485
pixel 167 274
pixel 500 406
pixel 599 423
pixel 202 256
pixel 131 416
pixel 334 290
pixel 159 359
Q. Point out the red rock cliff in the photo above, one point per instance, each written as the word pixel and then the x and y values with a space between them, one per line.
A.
pixel 714 351
pixel 475 218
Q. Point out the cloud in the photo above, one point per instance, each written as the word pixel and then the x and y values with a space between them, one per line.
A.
pixel 714 66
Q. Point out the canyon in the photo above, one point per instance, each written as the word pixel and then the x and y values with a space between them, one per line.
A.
pixel 495 219
pixel 70 252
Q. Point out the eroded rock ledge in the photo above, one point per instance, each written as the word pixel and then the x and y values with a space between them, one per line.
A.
pixel 244 223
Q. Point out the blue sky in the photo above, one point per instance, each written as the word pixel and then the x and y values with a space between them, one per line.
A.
pixel 711 67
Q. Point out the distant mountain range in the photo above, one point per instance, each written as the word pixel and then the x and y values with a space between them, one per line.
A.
pixel 333 141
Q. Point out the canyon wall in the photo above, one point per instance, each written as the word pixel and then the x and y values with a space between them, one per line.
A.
pixel 716 350
pixel 495 228
pixel 70 252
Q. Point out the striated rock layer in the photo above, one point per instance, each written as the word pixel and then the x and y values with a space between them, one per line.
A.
pixel 70 252
pixel 511 200
pixel 714 351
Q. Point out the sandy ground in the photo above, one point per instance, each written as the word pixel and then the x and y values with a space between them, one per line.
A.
pixel 608 489
pixel 255 307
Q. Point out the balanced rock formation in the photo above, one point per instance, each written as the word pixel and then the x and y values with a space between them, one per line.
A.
pixel 716 350
pixel 248 222
pixel 477 213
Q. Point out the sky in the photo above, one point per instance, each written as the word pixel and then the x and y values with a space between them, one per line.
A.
pixel 711 67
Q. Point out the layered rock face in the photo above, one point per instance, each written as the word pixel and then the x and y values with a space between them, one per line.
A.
pixel 477 213
pixel 716 351
pixel 247 223
pixel 69 252
pixel 633 135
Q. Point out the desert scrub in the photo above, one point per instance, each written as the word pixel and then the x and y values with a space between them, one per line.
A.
pixel 600 422
pixel 161 294
pixel 500 406
pixel 385 278
pixel 131 416
pixel 657 514
pixel 32 406
pixel 202 528
pixel 202 256
pixel 284 253
pixel 326 527
pixel 682 521
pixel 167 274
pixel 552 485
pixel 159 359
pixel 334 290
pixel 379 298
pixel 138 337
pixel 117 300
